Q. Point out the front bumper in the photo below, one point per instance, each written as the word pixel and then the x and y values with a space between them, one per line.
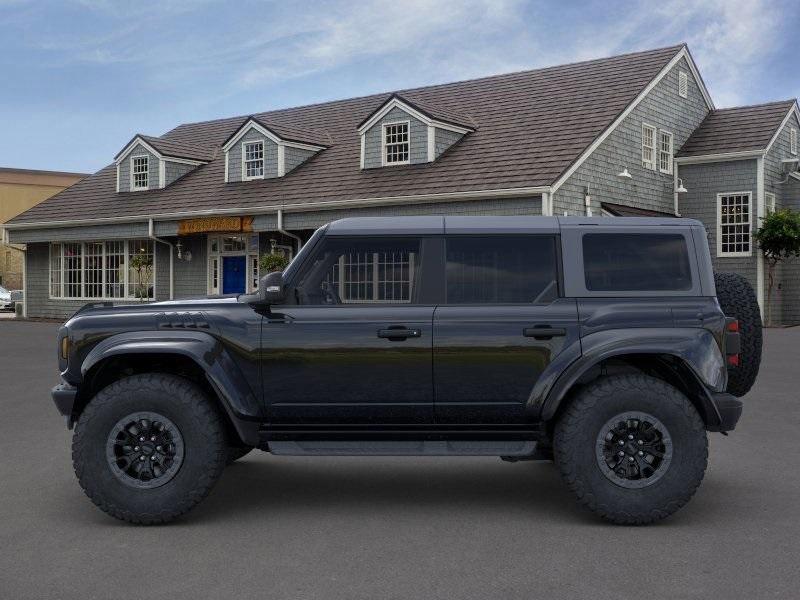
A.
pixel 64 396
pixel 729 408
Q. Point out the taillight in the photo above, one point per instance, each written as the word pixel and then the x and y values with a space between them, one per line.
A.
pixel 732 342
pixel 733 326
pixel 733 360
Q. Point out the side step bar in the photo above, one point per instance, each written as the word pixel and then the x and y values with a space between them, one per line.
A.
pixel 509 449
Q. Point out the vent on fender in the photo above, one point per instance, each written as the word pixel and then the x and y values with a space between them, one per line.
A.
pixel 182 320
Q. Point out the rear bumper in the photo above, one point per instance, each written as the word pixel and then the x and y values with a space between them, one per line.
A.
pixel 729 408
pixel 64 398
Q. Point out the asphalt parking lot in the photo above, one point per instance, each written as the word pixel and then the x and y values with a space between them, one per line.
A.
pixel 302 528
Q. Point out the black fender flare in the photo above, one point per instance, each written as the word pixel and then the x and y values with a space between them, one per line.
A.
pixel 696 349
pixel 223 374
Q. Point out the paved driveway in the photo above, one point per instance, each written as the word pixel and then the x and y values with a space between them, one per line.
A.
pixel 375 528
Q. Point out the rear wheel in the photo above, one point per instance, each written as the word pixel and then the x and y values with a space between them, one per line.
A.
pixel 738 299
pixel 148 448
pixel 632 448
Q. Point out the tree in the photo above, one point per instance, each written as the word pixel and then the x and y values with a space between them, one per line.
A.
pixel 273 262
pixel 142 265
pixel 779 239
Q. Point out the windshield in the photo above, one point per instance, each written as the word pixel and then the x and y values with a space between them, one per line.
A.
pixel 3 290
pixel 300 256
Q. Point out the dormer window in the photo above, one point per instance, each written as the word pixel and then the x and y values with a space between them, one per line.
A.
pixel 253 165
pixel 140 169
pixel 396 148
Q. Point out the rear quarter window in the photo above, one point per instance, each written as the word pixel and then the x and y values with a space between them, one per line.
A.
pixel 624 262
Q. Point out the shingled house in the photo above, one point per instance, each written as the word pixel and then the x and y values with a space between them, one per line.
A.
pixel 188 213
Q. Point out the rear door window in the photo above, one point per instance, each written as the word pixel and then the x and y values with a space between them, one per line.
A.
pixel 501 269
pixel 617 262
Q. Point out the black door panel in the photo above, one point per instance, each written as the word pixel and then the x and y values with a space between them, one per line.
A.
pixel 484 363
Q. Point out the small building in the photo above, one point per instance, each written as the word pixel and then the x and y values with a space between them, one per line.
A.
pixel 21 189
pixel 189 213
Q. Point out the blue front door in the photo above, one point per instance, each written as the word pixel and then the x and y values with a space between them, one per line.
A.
pixel 233 274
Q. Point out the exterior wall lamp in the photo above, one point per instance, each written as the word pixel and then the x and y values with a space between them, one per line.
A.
pixel 680 189
pixel 624 174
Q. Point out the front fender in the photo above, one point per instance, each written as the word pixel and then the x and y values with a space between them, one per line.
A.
pixel 696 347
pixel 204 349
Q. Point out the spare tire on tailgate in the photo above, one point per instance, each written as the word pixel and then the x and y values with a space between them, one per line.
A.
pixel 738 299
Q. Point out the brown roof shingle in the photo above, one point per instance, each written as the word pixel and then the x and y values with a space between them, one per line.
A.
pixel 530 127
pixel 738 129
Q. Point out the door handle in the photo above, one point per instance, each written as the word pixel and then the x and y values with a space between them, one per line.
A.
pixel 399 334
pixel 544 332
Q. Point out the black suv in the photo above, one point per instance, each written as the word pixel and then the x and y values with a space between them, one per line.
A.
pixel 597 343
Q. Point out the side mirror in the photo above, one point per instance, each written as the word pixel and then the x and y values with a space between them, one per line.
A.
pixel 270 288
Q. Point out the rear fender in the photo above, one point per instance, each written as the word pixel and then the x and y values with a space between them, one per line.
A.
pixel 222 372
pixel 696 348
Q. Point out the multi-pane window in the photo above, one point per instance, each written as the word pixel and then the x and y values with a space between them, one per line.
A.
pixel 734 224
pixel 362 272
pixel 793 140
pixel 665 152
pixel 648 146
pixel 683 84
pixel 769 200
pixel 102 270
pixel 140 166
pixel 396 143
pixel 253 160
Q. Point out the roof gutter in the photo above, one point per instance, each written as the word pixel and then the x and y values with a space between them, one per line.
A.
pixel 286 233
pixel 720 157
pixel 309 206
pixel 151 233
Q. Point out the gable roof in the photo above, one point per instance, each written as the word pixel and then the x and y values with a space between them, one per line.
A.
pixel 738 129
pixel 530 127
pixel 169 148
pixel 282 131
pixel 426 110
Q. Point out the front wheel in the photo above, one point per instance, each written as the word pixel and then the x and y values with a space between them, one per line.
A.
pixel 148 448
pixel 632 448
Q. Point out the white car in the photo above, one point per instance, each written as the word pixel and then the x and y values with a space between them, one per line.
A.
pixel 5 299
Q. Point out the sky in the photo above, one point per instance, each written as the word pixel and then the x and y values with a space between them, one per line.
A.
pixel 79 78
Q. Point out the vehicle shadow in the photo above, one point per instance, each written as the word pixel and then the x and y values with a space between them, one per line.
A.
pixel 280 485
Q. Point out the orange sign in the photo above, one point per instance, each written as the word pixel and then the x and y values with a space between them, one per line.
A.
pixel 218 224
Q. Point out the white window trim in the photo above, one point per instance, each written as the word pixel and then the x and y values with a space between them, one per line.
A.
pixel 383 143
pixel 793 141
pixel 683 82
pixel 125 283
pixel 652 165
pixel 263 160
pixel 769 201
pixel 668 170
pixel 720 253
pixel 133 187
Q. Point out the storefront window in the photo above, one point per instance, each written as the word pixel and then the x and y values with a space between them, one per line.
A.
pixel 120 269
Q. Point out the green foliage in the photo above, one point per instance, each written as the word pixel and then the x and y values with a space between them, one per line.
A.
pixel 779 239
pixel 779 235
pixel 273 262
pixel 142 265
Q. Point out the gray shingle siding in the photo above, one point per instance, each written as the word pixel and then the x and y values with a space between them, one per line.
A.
pixel 125 169
pixel 93 232
pixel 191 278
pixel 787 195
pixel 294 157
pixel 503 206
pixel 270 156
pixel 418 138
pixel 703 183
pixel 175 170
pixel 650 189
pixel 443 139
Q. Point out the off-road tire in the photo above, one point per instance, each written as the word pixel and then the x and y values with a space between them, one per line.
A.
pixel 203 436
pixel 237 452
pixel 575 440
pixel 738 299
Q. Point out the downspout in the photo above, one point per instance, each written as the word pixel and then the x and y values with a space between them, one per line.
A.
pixel 286 233
pixel 151 234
